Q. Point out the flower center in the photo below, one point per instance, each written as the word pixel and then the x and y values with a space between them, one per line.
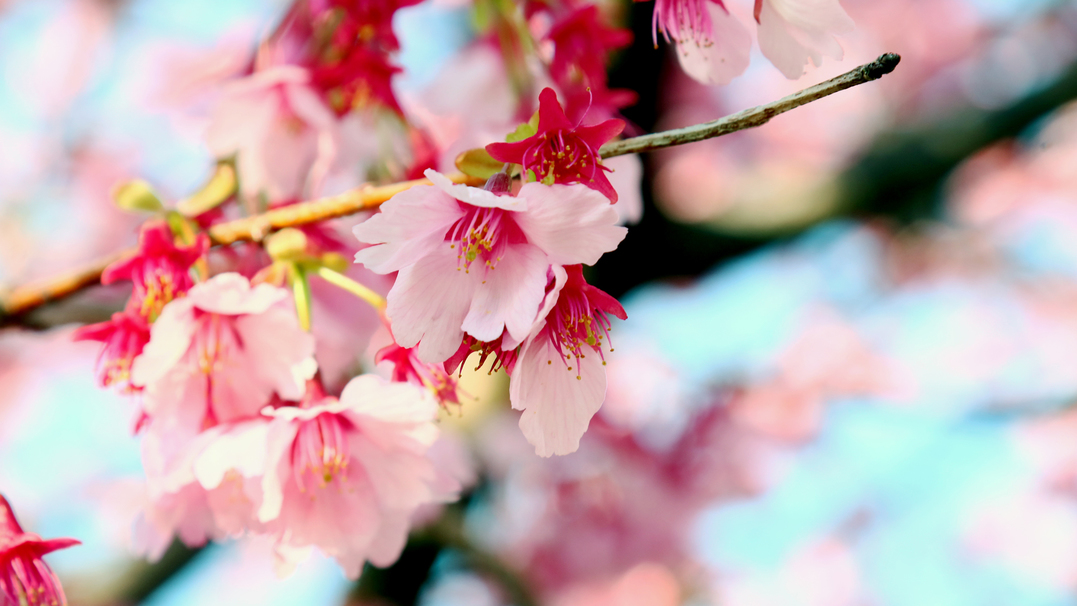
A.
pixel 28 580
pixel 216 342
pixel 320 452
pixel 558 156
pixel 482 234
pixel 575 325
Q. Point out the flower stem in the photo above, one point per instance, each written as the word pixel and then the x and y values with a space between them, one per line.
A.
pixel 338 279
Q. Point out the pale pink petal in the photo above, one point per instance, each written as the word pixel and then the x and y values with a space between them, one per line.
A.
pixel 793 31
pixel 428 304
pixel 231 294
pixel 557 403
pixel 241 449
pixel 373 396
pixel 570 223
pixel 274 346
pixel 475 196
pixel 408 227
pixel 400 477
pixel 279 441
pixel 509 296
pixel 170 336
pixel 386 546
pixel 721 57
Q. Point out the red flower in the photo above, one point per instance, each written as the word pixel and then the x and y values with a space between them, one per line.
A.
pixel 560 152
pixel 161 271
pixel 124 336
pixel 24 577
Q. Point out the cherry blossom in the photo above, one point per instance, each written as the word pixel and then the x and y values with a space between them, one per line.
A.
pixel 560 152
pixel 219 353
pixel 160 270
pixel 346 475
pixel 285 139
pixel 24 577
pixel 472 261
pixel 124 336
pixel 559 398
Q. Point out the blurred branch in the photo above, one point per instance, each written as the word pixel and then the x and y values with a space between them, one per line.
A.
pixel 144 578
pixel 756 116
pixel 30 296
pixel 901 173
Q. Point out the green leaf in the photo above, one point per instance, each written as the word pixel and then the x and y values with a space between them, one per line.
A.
pixel 524 131
pixel 478 163
pixel 136 196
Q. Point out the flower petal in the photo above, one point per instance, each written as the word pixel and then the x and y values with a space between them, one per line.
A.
pixel 408 226
pixel 509 296
pixel 557 403
pixel 428 304
pixel 570 223
pixel 722 57
pixel 474 196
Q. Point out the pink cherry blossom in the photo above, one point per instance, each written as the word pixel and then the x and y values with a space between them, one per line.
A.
pixel 712 45
pixel 24 577
pixel 473 262
pixel 221 352
pixel 347 475
pixel 559 398
pixel 793 31
pixel 286 140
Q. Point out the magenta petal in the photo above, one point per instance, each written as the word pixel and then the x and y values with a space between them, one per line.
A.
pixel 551 115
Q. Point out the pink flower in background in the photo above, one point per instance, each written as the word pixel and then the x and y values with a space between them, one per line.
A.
pixel 559 381
pixel 124 336
pixel 346 475
pixel 793 31
pixel 582 43
pixel 160 271
pixel 475 262
pixel 560 152
pixel 285 139
pixel 221 352
pixel 713 46
pixel 24 577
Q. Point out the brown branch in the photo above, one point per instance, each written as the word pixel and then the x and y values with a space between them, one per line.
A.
pixel 756 116
pixel 35 294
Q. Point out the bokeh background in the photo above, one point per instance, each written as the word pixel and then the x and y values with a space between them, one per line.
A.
pixel 849 367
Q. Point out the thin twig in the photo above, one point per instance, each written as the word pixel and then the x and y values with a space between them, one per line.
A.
pixel 756 116
pixel 30 296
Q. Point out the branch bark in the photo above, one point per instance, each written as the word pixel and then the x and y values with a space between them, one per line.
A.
pixel 30 296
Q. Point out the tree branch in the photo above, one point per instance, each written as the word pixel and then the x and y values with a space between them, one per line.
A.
pixel 753 117
pixel 35 294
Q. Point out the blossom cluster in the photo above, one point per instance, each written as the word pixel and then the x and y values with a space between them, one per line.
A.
pixel 252 421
